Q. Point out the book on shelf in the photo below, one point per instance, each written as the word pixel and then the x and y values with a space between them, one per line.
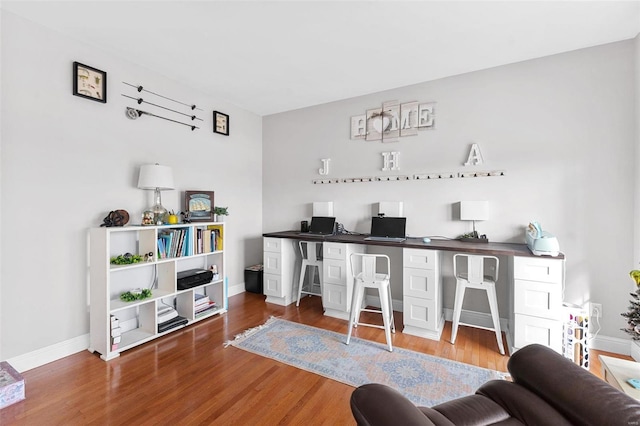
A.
pixel 217 236
pixel 206 240
pixel 205 307
pixel 116 332
pixel 200 299
pixel 115 323
pixel 115 340
pixel 114 347
pixel 172 323
pixel 207 311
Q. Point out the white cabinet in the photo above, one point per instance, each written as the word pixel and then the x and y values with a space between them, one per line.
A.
pixel 117 325
pixel 337 278
pixel 422 293
pixel 537 302
pixel 279 258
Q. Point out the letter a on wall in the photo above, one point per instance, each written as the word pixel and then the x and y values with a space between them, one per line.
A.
pixel 475 156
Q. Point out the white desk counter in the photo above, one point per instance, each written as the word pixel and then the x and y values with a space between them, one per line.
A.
pixel 535 302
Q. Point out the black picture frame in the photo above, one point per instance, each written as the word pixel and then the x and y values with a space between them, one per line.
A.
pixel 199 205
pixel 89 82
pixel 220 123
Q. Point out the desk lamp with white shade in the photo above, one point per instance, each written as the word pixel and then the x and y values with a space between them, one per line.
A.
pixel 474 210
pixel 158 178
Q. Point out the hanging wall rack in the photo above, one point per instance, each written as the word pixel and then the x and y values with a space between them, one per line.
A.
pixel 133 112
pixel 141 89
pixel 140 101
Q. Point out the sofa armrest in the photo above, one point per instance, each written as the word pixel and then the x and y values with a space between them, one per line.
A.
pixel 375 404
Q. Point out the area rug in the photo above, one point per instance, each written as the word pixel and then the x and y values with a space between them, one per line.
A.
pixel 424 379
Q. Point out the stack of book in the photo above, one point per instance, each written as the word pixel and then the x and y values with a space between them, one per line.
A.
pixel 175 243
pixel 202 305
pixel 116 333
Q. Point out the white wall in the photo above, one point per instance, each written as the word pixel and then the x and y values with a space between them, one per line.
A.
pixel 562 127
pixel 67 161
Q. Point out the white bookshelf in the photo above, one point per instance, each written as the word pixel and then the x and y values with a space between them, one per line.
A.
pixel 137 321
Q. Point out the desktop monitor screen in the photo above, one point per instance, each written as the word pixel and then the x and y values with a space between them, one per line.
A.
pixel 392 227
pixel 322 225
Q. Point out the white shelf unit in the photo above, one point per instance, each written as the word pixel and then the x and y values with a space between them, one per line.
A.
pixel 137 320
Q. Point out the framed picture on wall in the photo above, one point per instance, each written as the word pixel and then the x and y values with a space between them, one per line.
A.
pixel 89 82
pixel 199 205
pixel 220 123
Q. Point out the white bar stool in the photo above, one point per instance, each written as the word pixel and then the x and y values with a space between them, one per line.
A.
pixel 310 257
pixel 476 277
pixel 371 278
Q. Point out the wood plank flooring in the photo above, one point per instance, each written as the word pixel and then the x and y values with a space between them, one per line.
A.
pixel 188 377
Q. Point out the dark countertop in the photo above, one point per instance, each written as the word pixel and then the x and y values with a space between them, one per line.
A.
pixel 508 249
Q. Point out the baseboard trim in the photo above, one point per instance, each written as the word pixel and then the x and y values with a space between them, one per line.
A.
pixel 235 289
pixel 49 354
pixel 611 344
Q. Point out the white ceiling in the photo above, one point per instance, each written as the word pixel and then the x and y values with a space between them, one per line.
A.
pixel 274 56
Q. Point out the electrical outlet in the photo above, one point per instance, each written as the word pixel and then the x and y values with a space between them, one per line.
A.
pixel 596 310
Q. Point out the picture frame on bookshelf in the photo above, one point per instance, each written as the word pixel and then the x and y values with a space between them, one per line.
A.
pixel 89 83
pixel 199 205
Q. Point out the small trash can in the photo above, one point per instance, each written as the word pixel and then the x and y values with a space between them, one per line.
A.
pixel 253 279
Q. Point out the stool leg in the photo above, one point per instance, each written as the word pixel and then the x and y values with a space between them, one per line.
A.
pixel 355 309
pixel 321 286
pixel 384 303
pixel 303 272
pixel 493 305
pixel 393 322
pixel 457 310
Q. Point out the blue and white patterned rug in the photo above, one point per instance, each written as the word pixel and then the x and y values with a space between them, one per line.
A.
pixel 426 380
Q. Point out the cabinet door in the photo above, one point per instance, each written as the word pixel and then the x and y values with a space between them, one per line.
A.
pixel 419 283
pixel 271 244
pixel 544 331
pixel 538 299
pixel 420 312
pixel 336 251
pixel 272 262
pixel 419 258
pixel 272 285
pixel 334 271
pixel 336 296
pixel 537 269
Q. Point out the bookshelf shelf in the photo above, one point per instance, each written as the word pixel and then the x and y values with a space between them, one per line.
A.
pixel 117 326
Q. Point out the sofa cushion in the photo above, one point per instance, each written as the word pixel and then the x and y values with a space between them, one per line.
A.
pixel 578 395
pixel 473 410
pixel 522 404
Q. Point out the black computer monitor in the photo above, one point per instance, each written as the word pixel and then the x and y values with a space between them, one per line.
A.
pixel 391 227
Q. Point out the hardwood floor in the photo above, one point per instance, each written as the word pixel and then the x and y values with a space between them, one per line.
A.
pixel 188 377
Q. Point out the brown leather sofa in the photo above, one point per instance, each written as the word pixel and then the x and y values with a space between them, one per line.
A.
pixel 547 389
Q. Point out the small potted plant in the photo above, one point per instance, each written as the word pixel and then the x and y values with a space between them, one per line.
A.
pixel 220 213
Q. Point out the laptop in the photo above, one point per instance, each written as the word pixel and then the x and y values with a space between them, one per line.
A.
pixel 321 225
pixel 391 229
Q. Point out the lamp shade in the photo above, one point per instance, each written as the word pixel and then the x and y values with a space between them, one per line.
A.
pixel 474 210
pixel 155 176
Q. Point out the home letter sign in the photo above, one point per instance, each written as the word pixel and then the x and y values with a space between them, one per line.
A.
pixel 324 170
pixel 392 163
pixel 475 157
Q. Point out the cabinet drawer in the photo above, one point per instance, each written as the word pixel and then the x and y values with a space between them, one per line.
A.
pixel 336 251
pixel 419 283
pixel 420 312
pixel 272 285
pixel 538 299
pixel 272 262
pixel 335 296
pixel 418 258
pixel 334 271
pixel 537 269
pixel 272 244
pixel 544 331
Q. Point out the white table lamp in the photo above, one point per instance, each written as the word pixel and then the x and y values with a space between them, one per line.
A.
pixel 158 178
pixel 474 210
